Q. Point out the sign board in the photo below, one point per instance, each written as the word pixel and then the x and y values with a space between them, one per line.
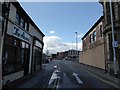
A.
pixel 115 44
pixel 17 32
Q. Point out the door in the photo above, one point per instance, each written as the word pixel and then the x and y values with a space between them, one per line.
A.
pixel 26 62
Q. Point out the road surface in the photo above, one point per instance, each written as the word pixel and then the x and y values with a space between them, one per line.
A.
pixel 68 74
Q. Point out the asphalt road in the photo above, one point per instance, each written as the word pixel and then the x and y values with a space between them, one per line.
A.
pixel 69 74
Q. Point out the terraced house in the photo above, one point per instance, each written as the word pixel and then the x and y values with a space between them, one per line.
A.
pixel 23 44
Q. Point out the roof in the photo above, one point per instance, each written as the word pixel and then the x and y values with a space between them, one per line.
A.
pixel 99 20
pixel 17 5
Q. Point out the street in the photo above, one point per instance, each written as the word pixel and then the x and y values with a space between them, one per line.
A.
pixel 68 74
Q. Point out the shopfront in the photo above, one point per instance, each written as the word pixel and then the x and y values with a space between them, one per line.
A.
pixel 16 55
pixel 37 54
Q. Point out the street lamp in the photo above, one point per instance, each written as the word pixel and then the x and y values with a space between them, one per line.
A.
pixel 76 52
pixel 76 41
pixel 114 43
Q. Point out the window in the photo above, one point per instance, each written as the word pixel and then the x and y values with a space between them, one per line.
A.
pixel 22 22
pixel 101 31
pixel 94 36
pixel 17 20
pixel 26 26
pixel 84 44
pixel 14 55
pixel 91 38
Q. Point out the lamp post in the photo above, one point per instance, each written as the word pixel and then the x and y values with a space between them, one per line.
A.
pixel 113 41
pixel 76 46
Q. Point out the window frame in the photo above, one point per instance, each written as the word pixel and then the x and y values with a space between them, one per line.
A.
pixel 94 36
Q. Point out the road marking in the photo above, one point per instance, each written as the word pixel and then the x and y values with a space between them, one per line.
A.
pixel 54 76
pixel 78 79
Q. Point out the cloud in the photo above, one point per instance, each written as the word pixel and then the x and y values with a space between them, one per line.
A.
pixel 54 44
pixel 51 32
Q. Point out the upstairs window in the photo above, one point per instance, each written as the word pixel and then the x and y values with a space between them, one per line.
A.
pixel 91 38
pixel 22 23
pixel 101 31
pixel 26 26
pixel 94 36
pixel 17 20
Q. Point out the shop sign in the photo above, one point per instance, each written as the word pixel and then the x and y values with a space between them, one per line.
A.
pixel 37 43
pixel 20 34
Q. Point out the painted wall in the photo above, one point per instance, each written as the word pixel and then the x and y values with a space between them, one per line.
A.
pixel 93 57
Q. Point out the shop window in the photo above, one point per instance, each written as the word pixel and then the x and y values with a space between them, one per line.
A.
pixel 13 56
pixel 23 44
pixel 27 45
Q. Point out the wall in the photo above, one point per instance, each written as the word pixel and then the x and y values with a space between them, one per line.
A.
pixel 33 31
pixel 93 58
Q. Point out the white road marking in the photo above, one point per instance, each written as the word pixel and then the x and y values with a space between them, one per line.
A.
pixel 54 76
pixel 78 79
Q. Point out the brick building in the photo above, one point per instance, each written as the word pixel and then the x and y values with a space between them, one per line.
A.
pixel 93 46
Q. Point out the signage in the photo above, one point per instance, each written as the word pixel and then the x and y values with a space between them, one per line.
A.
pixel 115 44
pixel 37 43
pixel 20 34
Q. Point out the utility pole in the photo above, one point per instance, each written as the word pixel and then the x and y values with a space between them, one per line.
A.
pixel 113 41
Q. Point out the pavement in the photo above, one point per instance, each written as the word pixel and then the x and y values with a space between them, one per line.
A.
pixel 101 74
pixel 98 73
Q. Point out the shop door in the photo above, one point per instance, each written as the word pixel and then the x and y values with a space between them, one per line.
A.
pixel 26 62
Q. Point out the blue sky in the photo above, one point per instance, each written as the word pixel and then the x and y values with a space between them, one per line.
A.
pixel 60 20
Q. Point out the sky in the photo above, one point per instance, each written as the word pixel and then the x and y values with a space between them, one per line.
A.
pixel 60 20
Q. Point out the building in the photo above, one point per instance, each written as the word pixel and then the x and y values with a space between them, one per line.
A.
pixel 54 56
pixel 60 55
pixel 112 62
pixel 23 45
pixel 4 9
pixel 73 55
pixel 93 46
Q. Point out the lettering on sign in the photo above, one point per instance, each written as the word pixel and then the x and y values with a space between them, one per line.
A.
pixel 20 34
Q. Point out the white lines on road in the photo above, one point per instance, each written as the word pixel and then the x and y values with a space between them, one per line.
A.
pixel 54 76
pixel 78 79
